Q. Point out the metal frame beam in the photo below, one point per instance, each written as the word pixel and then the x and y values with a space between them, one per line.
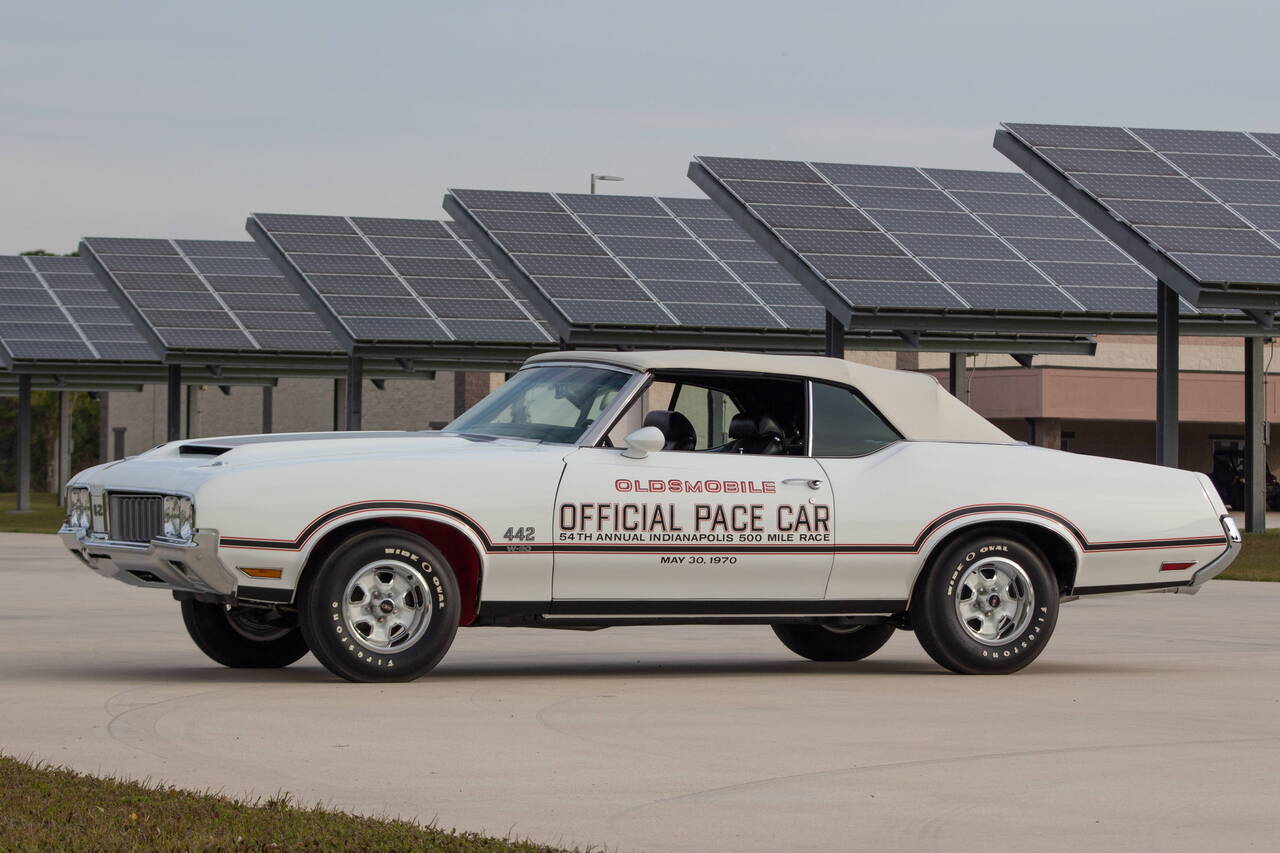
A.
pixel 173 403
pixel 1167 376
pixel 23 450
pixel 1255 437
pixel 64 444
pixel 834 340
pixel 958 377
pixel 268 409
pixel 355 393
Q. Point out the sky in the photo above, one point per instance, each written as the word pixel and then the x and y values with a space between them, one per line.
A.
pixel 177 119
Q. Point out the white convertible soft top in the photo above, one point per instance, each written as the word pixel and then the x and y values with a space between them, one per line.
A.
pixel 913 402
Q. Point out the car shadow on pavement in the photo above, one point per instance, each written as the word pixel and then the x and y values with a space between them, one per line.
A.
pixel 309 672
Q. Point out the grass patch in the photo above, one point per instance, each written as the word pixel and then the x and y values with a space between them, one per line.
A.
pixel 1259 560
pixel 45 516
pixel 46 808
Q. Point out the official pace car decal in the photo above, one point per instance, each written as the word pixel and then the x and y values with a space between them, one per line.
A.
pixel 708 512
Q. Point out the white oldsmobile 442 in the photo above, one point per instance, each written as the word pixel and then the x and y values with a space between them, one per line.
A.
pixel 833 501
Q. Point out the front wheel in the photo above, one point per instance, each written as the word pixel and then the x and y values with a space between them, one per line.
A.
pixel 823 642
pixel 243 637
pixel 384 606
pixel 987 605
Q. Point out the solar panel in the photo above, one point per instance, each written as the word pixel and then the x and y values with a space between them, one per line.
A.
pixel 210 295
pixel 398 280
pixel 638 260
pixel 1207 201
pixel 930 239
pixel 54 308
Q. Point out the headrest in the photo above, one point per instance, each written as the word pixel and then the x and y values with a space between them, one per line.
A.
pixel 745 427
pixel 677 429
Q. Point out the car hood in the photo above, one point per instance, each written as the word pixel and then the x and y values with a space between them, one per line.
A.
pixel 181 466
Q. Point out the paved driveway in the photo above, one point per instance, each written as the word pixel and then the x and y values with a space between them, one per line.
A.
pixel 1150 723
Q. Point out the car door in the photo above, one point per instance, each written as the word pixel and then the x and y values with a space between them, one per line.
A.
pixel 703 525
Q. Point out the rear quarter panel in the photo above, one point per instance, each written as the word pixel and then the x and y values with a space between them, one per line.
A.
pixel 1123 519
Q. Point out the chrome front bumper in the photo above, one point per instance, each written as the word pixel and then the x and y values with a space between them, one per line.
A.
pixel 185 566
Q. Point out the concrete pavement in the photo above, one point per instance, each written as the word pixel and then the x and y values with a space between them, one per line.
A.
pixel 1152 722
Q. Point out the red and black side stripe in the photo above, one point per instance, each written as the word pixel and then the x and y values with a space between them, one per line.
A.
pixel 699 548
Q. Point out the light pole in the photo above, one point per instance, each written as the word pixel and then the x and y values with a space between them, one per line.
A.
pixel 595 177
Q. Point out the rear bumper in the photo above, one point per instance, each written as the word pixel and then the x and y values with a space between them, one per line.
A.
pixel 1215 567
pixel 184 566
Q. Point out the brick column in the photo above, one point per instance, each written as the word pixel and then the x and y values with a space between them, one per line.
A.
pixel 1048 432
pixel 469 388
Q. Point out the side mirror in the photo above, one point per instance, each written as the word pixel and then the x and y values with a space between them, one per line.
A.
pixel 644 441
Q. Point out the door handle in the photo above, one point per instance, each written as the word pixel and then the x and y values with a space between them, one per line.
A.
pixel 796 481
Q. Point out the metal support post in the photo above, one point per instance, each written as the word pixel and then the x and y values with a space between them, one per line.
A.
pixel 173 402
pixel 355 392
pixel 1166 376
pixel 958 377
pixel 339 401
pixel 835 337
pixel 268 404
pixel 104 427
pixel 1255 438
pixel 64 444
pixel 23 450
pixel 193 406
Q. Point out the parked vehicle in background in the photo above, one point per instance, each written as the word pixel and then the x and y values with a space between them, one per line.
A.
pixel 1229 479
pixel 833 501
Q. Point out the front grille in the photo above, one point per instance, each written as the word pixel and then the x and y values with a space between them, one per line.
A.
pixel 134 518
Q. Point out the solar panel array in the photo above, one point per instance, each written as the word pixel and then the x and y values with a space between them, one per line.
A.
pixel 917 238
pixel 640 261
pixel 400 280
pixel 54 308
pixel 220 295
pixel 1210 200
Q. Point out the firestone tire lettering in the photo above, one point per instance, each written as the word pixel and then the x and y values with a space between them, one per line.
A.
pixel 333 643
pixel 939 629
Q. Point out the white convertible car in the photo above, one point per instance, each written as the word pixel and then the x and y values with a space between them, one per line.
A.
pixel 833 501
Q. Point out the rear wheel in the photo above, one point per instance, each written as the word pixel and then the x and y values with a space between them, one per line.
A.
pixel 384 606
pixel 243 637
pixel 833 642
pixel 987 605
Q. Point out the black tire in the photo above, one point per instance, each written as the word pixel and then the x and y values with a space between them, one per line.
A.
pixel 433 598
pixel 948 587
pixel 242 637
pixel 832 643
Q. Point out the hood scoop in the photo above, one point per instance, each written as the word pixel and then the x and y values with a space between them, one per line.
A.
pixel 203 449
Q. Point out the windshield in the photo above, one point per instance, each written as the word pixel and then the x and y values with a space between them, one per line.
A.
pixel 554 404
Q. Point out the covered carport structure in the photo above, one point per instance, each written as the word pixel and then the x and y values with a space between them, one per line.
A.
pixel 411 292
pixel 643 271
pixel 1200 211
pixel 217 310
pixel 993 250
pixel 62 330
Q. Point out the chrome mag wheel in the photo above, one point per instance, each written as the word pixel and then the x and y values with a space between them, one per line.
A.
pixel 994 600
pixel 386 606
